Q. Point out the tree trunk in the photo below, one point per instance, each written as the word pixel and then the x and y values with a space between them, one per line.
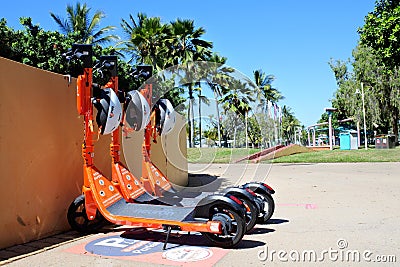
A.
pixel 190 116
pixel 218 120
pixel 234 137
pixel 395 123
pixel 247 134
pixel 200 120
pixel 192 121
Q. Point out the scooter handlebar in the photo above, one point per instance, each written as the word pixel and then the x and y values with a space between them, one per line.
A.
pixel 140 73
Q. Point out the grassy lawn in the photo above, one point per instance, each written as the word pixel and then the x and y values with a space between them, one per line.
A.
pixel 229 155
pixel 337 155
pixel 217 155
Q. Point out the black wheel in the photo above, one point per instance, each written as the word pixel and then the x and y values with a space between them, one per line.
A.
pixel 269 207
pixel 251 214
pixel 233 227
pixel 78 219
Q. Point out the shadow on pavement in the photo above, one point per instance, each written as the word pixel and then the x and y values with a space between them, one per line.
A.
pixel 181 239
pixel 203 183
pixel 257 231
pixel 276 221
pixel 297 164
pixel 245 244
pixel 21 251
pixel 175 238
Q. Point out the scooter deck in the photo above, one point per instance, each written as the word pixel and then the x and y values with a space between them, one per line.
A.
pixel 148 211
pixel 178 199
pixel 117 210
pixel 132 190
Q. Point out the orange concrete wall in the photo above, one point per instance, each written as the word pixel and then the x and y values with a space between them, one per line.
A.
pixel 168 154
pixel 40 147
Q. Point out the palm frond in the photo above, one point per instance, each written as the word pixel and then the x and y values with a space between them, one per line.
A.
pixel 63 25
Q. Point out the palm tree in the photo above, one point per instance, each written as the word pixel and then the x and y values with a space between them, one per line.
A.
pixel 147 37
pixel 218 80
pixel 186 44
pixel 164 45
pixel 205 100
pixel 237 99
pixel 266 92
pixel 85 27
pixel 289 123
pixel 188 80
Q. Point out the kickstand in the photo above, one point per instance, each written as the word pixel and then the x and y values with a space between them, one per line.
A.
pixel 166 238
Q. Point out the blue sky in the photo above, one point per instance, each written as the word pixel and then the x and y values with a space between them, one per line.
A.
pixel 292 40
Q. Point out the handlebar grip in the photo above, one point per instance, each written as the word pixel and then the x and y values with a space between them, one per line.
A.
pixel 96 85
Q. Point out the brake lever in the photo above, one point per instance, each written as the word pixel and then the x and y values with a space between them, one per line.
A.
pixel 137 74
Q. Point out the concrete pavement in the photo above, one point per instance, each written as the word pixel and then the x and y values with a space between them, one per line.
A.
pixel 333 214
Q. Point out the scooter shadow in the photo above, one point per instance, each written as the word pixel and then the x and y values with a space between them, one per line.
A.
pixel 246 244
pixel 199 184
pixel 178 239
pixel 258 231
pixel 275 221
pixel 193 239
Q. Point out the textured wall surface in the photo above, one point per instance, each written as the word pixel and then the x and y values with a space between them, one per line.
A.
pixel 40 146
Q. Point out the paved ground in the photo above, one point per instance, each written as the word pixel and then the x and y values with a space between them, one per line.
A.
pixel 335 214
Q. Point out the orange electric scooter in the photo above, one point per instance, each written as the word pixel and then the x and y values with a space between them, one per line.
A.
pixel 219 218
pixel 256 196
pixel 153 186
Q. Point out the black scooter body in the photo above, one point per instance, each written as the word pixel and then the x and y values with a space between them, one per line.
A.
pixel 205 206
pixel 242 193
pixel 258 187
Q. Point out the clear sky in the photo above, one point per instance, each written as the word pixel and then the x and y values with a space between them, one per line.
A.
pixel 290 39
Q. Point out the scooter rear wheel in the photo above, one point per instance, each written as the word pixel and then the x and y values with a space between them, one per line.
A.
pixel 78 219
pixel 251 214
pixel 269 208
pixel 234 227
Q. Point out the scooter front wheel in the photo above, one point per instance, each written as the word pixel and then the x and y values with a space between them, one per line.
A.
pixel 233 227
pixel 269 207
pixel 78 219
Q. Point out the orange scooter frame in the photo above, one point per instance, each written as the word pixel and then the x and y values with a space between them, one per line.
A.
pixel 220 218
pixel 129 186
pixel 153 180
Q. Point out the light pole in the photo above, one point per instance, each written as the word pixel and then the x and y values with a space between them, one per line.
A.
pixel 330 111
pixel 365 123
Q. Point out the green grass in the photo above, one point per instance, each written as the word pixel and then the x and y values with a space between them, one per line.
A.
pixel 229 155
pixel 217 155
pixel 337 155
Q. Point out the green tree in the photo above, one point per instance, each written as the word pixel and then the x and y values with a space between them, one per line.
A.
pixel 219 77
pixel 236 99
pixel 266 92
pixel 147 39
pixel 381 31
pixel 344 97
pixel 205 100
pixel 34 46
pixel 289 124
pixel 186 46
pixel 254 132
pixel 8 37
pixel 186 43
pixel 381 90
pixel 86 28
